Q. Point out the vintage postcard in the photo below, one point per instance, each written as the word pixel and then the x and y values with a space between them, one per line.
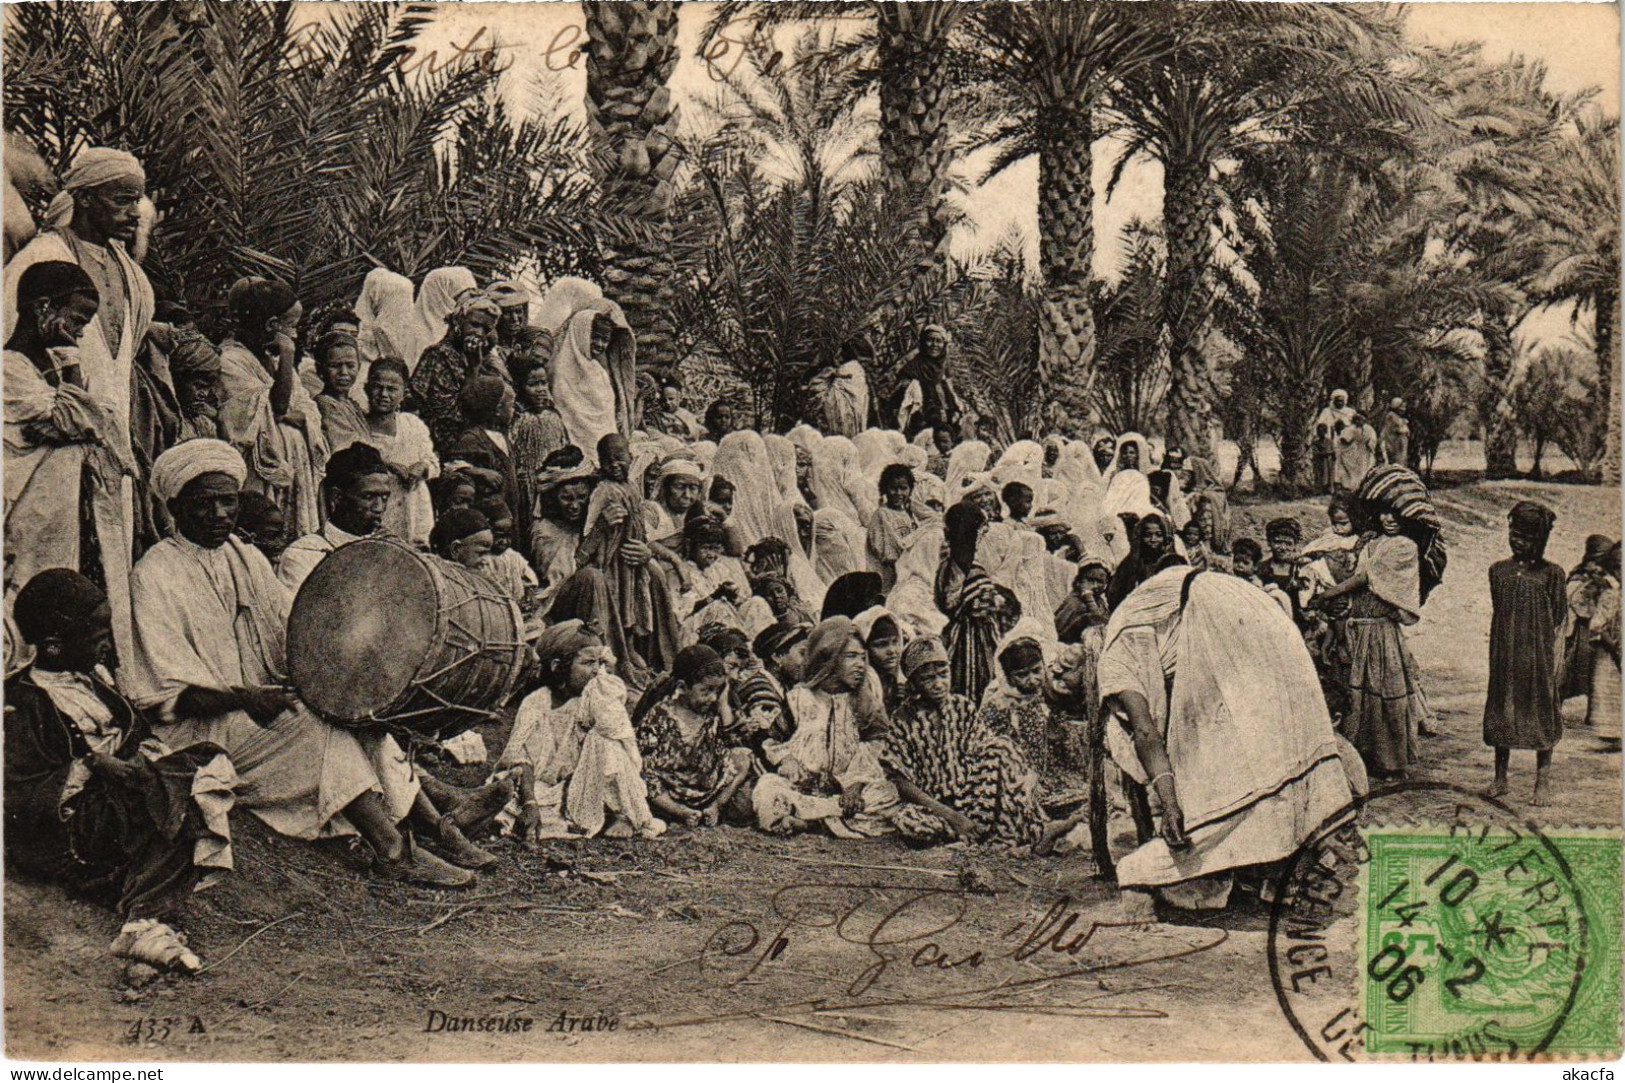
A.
pixel 840 532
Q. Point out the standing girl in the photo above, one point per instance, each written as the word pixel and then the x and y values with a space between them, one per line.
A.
pixel 1529 601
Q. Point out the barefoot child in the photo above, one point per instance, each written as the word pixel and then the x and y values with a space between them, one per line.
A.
pixel 692 777
pixel 1529 601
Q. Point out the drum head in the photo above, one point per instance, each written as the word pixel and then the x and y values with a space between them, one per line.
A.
pixel 362 624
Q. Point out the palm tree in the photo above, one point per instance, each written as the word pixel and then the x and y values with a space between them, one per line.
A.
pixel 901 51
pixel 1579 239
pixel 1310 74
pixel 1491 168
pixel 1059 58
pixel 308 152
pixel 631 52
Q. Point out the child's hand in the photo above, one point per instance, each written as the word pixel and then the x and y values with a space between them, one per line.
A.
pixel 692 817
pixel 710 815
pixel 530 824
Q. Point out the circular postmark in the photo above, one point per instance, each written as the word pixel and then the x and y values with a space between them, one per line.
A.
pixel 1428 922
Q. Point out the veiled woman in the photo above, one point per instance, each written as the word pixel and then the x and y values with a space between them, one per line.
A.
pixel 594 362
pixel 436 301
pixel 742 458
pixel 386 310
pixel 1215 707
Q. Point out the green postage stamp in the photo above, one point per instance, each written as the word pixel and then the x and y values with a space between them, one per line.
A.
pixel 1491 943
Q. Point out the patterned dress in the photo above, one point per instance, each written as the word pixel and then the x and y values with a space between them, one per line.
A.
pixel 951 755
pixel 1024 720
pixel 688 768
pixel 972 604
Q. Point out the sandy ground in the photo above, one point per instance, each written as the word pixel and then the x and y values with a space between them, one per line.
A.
pixel 728 945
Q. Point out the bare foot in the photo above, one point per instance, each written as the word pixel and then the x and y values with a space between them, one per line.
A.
pixel 618 828
pixel 1543 796
pixel 475 809
pixel 1054 831
pixel 1498 788
pixel 790 825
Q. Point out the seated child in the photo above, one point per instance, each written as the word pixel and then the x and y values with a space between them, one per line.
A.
pixel 893 524
pixel 573 751
pixel 715 585
pixel 692 777
pixel 1246 555
pixel 504 565
pixel 1015 706
pixel 463 536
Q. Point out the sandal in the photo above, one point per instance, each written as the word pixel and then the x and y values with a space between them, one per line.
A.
pixel 156 944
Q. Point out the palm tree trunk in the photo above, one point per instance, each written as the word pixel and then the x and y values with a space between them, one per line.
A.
pixel 1188 208
pixel 631 51
pixel 1066 245
pixel 1296 414
pixel 1494 406
pixel 1608 368
pixel 914 150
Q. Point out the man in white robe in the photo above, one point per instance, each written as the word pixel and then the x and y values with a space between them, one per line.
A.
pixel 209 659
pixel 90 223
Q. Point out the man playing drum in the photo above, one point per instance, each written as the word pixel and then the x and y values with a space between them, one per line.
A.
pixel 209 658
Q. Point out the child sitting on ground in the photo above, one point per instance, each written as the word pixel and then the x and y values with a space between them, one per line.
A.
pixel 463 536
pixel 893 523
pixel 503 564
pixel 693 779
pixel 1015 706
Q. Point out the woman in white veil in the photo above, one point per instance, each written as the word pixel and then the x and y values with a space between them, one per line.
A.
pixel 436 301
pixel 1023 568
pixel 1082 492
pixel 837 481
pixel 1022 461
pixel 594 363
pixel 804 578
pixel 742 458
pixel 913 598
pixel 968 458
pixel 386 310
pixel 877 449
pixel 782 453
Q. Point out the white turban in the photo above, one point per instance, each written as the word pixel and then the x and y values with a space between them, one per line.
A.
pixel 92 168
pixel 192 459
pixel 681 468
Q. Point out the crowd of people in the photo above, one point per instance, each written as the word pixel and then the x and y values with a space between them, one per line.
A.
pixel 878 623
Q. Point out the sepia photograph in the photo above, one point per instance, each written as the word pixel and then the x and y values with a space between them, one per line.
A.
pixel 634 531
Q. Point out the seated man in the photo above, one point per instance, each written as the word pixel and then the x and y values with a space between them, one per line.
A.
pixel 90 800
pixel 358 484
pixel 210 654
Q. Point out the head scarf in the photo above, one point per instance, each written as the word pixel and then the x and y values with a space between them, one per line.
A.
pixel 1141 444
pixel 387 314
pixel 777 638
pixel 193 355
pixel 57 601
pixel 470 302
pixel 963 524
pixel 92 168
pixel 593 398
pixel 1284 527
pixel 508 294
pixel 680 467
pixel 564 640
pixel 966 459
pixel 1020 653
pixel 455 525
pixel 437 300
pixel 1598 547
pixel 191 459
pixel 921 653
pixel 877 449
pixel 870 618
pixel 838 481
pixel 782 454
pixel 1022 461
pixel 1535 520
pixel 742 457
pixel 853 593
pixel 825 644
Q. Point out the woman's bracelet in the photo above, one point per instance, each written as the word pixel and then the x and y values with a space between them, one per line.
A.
pixel 1158 778
pixel 533 803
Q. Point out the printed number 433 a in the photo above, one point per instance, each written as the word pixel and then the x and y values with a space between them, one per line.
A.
pixel 159 1029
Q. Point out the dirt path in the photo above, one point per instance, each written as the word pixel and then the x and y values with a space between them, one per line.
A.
pixel 950 954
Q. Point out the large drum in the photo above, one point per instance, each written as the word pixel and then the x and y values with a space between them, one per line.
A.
pixel 382 635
